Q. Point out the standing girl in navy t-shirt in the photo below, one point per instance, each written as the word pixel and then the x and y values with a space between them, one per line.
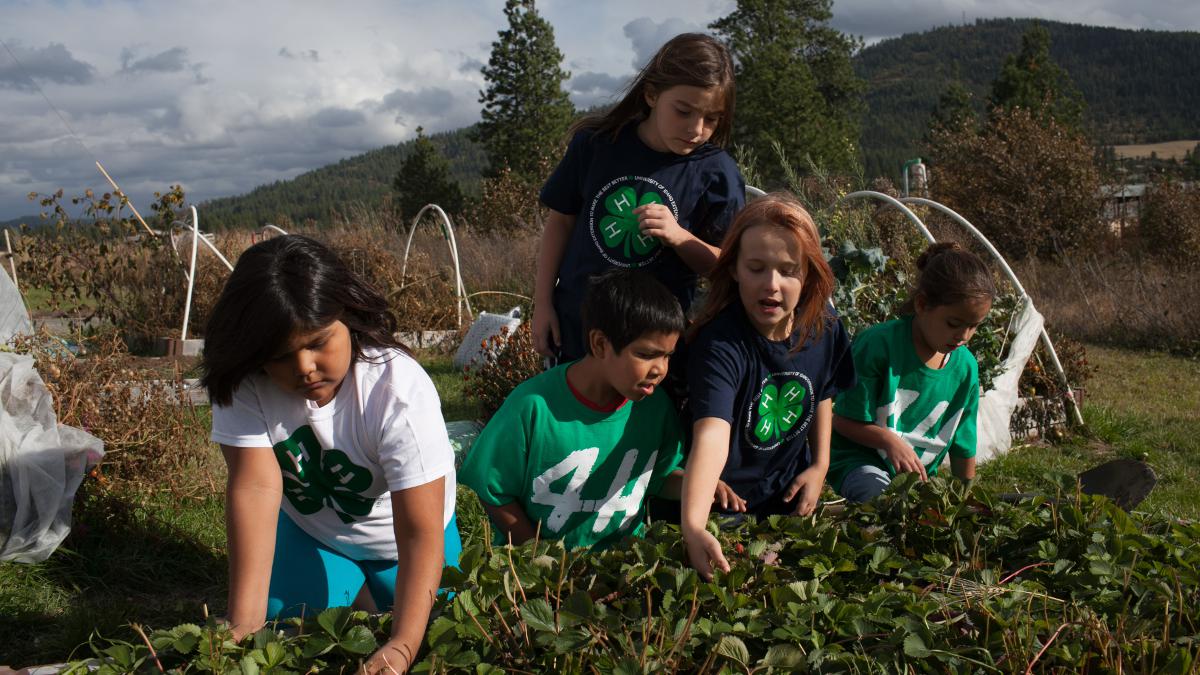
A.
pixel 645 185
pixel 766 356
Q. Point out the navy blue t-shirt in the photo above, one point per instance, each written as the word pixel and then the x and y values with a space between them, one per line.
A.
pixel 767 394
pixel 601 182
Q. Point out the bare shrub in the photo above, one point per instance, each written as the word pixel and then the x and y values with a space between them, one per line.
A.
pixel 509 360
pixel 1118 299
pixel 508 205
pixel 1169 221
pixel 1030 185
pixel 153 436
pixel 107 267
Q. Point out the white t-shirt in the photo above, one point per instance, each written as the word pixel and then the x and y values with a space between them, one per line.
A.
pixel 382 432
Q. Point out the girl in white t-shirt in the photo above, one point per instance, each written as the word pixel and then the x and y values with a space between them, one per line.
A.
pixel 341 476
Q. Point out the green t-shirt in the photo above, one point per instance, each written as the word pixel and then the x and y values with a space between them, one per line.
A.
pixel 932 409
pixel 582 473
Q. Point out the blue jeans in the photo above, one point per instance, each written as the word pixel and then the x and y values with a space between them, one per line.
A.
pixel 308 576
pixel 865 483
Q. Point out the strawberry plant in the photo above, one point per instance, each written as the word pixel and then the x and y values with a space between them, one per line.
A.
pixel 932 577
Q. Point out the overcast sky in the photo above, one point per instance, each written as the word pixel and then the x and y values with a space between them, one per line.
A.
pixel 222 96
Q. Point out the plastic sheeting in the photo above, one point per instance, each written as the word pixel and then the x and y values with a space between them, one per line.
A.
pixel 42 462
pixel 997 404
pixel 486 325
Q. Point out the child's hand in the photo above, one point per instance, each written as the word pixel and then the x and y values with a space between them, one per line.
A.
pixel 727 499
pixel 658 221
pixel 392 657
pixel 546 337
pixel 905 459
pixel 806 489
pixel 704 553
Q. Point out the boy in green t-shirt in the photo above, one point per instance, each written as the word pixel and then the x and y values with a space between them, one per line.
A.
pixel 575 451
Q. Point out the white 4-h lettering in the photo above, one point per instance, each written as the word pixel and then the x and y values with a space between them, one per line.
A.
pixel 888 417
pixel 623 495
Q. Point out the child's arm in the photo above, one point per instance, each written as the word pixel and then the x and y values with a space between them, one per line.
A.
pixel 710 450
pixel 963 468
pixel 512 521
pixel 657 220
pixel 808 483
pixel 252 496
pixel 555 234
pixel 418 515
pixel 899 453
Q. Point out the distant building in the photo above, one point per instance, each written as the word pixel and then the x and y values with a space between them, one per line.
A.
pixel 1122 204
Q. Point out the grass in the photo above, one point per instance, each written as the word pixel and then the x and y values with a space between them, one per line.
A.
pixel 1143 405
pixel 159 560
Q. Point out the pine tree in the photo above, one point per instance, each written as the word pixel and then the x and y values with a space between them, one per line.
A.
pixel 795 84
pixel 424 178
pixel 1030 79
pixel 953 109
pixel 525 109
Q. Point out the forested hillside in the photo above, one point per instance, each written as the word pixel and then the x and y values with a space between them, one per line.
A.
pixel 1139 86
pixel 364 180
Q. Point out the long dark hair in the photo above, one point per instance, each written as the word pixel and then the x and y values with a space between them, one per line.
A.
pixel 279 287
pixel 949 274
pixel 693 59
pixel 785 212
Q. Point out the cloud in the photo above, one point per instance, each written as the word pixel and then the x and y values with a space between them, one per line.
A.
pixel 471 65
pixel 172 60
pixel 338 117
pixel 303 55
pixel 647 35
pixel 589 89
pixel 52 63
pixel 428 101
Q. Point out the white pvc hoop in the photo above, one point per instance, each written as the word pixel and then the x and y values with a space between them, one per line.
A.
pixel 974 231
pixel 187 305
pixel 191 271
pixel 1012 277
pixel 460 290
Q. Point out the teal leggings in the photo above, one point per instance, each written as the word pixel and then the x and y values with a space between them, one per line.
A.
pixel 308 576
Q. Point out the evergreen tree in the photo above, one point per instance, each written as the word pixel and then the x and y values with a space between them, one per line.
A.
pixel 795 84
pixel 953 109
pixel 424 178
pixel 525 110
pixel 1031 80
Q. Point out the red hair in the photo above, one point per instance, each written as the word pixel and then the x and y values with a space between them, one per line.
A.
pixel 783 211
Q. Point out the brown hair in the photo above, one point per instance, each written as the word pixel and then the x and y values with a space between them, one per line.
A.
pixel 784 211
pixel 949 274
pixel 693 59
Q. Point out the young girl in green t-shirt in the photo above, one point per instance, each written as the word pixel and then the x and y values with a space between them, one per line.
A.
pixel 918 385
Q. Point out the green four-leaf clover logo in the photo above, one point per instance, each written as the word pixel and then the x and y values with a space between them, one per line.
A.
pixel 314 479
pixel 779 410
pixel 620 227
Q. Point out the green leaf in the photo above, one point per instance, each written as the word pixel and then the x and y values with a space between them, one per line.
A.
pixel 915 647
pixel 316 645
pixel 539 616
pixel 274 654
pixel 248 666
pixel 333 620
pixel 358 640
pixel 783 656
pixel 732 647
pixel 463 659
